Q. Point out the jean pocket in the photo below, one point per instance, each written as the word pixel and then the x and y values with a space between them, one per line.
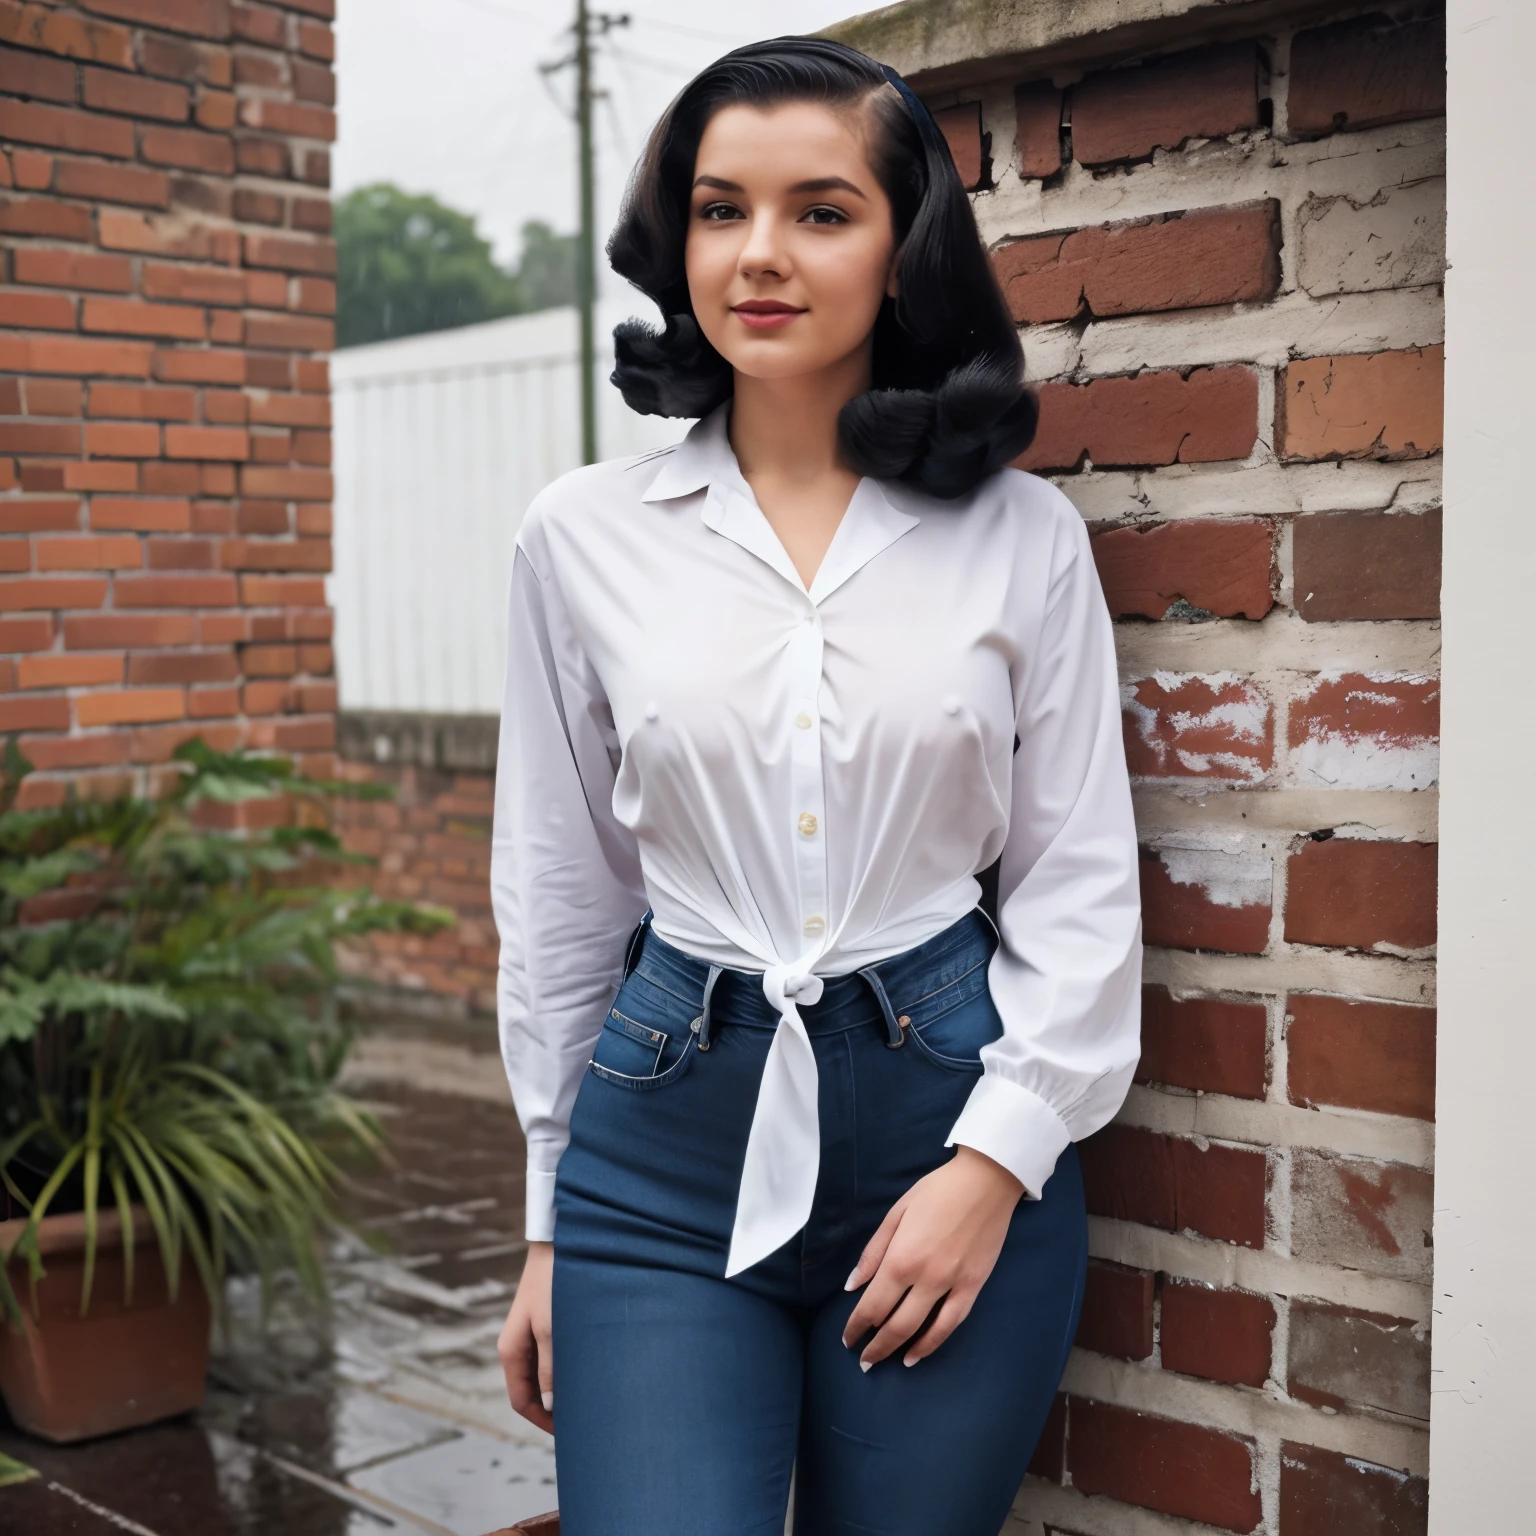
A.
pixel 649 1051
pixel 954 1036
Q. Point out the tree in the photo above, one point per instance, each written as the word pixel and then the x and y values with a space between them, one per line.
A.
pixel 407 263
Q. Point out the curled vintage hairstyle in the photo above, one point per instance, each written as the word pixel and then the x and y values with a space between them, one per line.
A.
pixel 947 405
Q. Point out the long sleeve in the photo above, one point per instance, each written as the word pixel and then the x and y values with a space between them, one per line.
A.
pixel 1066 977
pixel 565 876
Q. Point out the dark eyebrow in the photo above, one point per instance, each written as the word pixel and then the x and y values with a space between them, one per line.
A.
pixel 817 184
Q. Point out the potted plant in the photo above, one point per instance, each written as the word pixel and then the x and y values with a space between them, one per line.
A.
pixel 169 1044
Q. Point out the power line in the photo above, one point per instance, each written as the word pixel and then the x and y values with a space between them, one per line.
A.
pixel 685 31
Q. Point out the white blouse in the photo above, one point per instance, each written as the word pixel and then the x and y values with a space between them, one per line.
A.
pixel 804 782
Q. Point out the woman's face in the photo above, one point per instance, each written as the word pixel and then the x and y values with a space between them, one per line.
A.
pixel 791 245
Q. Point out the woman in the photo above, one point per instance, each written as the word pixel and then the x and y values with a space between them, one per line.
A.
pixel 775 699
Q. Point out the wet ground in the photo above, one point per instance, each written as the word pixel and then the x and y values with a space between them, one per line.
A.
pixel 387 1415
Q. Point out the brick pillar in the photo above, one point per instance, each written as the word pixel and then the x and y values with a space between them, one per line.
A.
pixel 164 411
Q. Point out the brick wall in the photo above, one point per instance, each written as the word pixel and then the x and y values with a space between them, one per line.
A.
pixel 1227 263
pixel 164 416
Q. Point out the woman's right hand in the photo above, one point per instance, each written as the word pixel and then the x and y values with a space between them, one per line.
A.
pixel 524 1347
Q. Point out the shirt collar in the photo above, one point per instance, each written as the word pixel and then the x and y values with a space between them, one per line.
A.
pixel 704 458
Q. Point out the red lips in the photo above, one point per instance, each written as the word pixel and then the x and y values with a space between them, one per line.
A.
pixel 765 314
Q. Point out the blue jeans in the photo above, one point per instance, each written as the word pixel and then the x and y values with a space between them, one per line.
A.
pixel 683 1399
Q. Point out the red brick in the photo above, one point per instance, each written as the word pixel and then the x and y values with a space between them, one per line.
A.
pixel 144 403
pixel 163 515
pixel 182 667
pixel 317 167
pixel 216 111
pixel 282 591
pixel 175 591
pixel 315 733
pixel 271 447
pixel 1169 261
pixel 1170 1183
pixel 14 558
pixel 121 631
pixel 72 269
pixel 216 480
pixel 288 117
pixel 167 237
pixel 32 122
pixel 122 440
pixel 269 660
pixel 224 407
pixel 1222 1335
pixel 32 169
pixel 192 284
pixel 314 82
pixel 54 397
pixel 37 311
pixel 87 554
pixel 1382 405
pixel 291 255
pixel 1206 1044
pixel 312 519
pixel 961 127
pixel 1037 108
pixel 52 592
pixel 312 448
pixel 51 515
pixel 200 366
pixel 110 90
pixel 1362 732
pixel 317 295
pixel 1153 418
pixel 255 206
pixel 112 183
pixel 1117 1311
pixel 262 157
pixel 136 706
pixel 1337 1358
pixel 188 149
pixel 1179 1469
pixel 43 216
pixel 69 671
pixel 1360 893
pixel 25 74
pixel 207 443
pixel 102 475
pixel 201 18
pixel 180 554
pixel 1126 114
pixel 225 328
pixel 1325 1493
pixel 39 437
pixel 1367 565
pixel 1225 569
pixel 1359 1055
pixel 74 37
pixel 1187 914
pixel 264 70
pixel 1351 1212
pixel 312 375
pixel 33 714
pixel 129 318
pixel 1360 74
pixel 317 40
pixel 294 484
pixel 181 60
pixel 32 633
pixel 292 332
pixel 278 555
pixel 1197 728
pixel 211 703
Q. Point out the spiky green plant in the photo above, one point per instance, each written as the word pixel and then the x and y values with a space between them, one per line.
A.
pixel 169 1035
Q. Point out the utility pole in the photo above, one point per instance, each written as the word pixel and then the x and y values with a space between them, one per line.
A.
pixel 587 23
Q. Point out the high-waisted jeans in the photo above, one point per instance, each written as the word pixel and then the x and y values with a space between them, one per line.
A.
pixel 683 1399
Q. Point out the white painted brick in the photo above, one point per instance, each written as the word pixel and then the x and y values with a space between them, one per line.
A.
pixel 1295 969
pixel 1395 240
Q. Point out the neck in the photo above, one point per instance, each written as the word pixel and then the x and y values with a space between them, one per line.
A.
pixel 786 429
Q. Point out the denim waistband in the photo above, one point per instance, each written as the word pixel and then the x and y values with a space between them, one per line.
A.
pixel 874 992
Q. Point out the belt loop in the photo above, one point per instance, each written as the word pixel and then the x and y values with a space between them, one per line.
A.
pixel 895 1029
pixel 701 1024
pixel 636 940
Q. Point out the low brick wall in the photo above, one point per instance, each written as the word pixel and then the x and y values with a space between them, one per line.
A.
pixel 432 842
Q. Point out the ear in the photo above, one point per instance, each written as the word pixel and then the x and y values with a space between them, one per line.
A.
pixel 892 281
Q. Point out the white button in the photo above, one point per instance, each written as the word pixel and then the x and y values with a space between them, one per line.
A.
pixel 814 925
pixel 803 720
pixel 810 618
pixel 807 824
pixel 952 704
pixel 651 711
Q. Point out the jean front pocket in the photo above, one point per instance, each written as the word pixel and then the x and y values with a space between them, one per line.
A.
pixel 648 1046
pixel 952 1030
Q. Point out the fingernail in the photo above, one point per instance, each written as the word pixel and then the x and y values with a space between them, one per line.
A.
pixel 864 1365
pixel 548 1399
pixel 852 1282
pixel 908 1360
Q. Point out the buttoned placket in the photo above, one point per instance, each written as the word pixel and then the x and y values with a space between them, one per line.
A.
pixel 807 810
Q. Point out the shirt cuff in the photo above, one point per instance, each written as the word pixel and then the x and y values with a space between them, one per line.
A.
pixel 1013 1127
pixel 539 1226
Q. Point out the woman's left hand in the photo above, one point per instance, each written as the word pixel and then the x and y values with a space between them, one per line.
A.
pixel 938 1243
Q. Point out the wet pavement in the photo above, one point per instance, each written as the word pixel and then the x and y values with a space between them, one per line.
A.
pixel 389 1414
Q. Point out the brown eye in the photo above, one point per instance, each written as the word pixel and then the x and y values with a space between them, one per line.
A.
pixel 719 212
pixel 824 216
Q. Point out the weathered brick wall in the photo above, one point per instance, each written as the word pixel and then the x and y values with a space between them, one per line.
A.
pixel 432 843
pixel 164 416
pixel 1227 261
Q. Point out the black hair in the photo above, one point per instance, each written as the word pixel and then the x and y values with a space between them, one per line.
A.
pixel 947 406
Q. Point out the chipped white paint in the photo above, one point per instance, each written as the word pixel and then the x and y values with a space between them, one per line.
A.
pixel 1361 813
pixel 1354 758
pixel 1393 240
pixel 1239 711
pixel 1224 879
pixel 1298 968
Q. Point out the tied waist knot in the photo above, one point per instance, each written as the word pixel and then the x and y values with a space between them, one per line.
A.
pixel 778 1176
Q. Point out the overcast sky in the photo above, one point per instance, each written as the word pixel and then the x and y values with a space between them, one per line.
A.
pixel 445 96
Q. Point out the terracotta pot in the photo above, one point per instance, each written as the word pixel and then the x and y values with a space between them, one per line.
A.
pixel 67 1377
pixel 539 1525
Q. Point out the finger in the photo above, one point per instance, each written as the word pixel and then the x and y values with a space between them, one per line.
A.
pixel 881 1298
pixel 874 1250
pixel 519 1365
pixel 955 1310
pixel 546 1371
pixel 901 1325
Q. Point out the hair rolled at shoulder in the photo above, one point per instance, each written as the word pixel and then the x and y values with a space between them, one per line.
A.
pixel 947 406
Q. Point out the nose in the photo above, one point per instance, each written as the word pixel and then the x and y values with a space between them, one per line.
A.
pixel 764 253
